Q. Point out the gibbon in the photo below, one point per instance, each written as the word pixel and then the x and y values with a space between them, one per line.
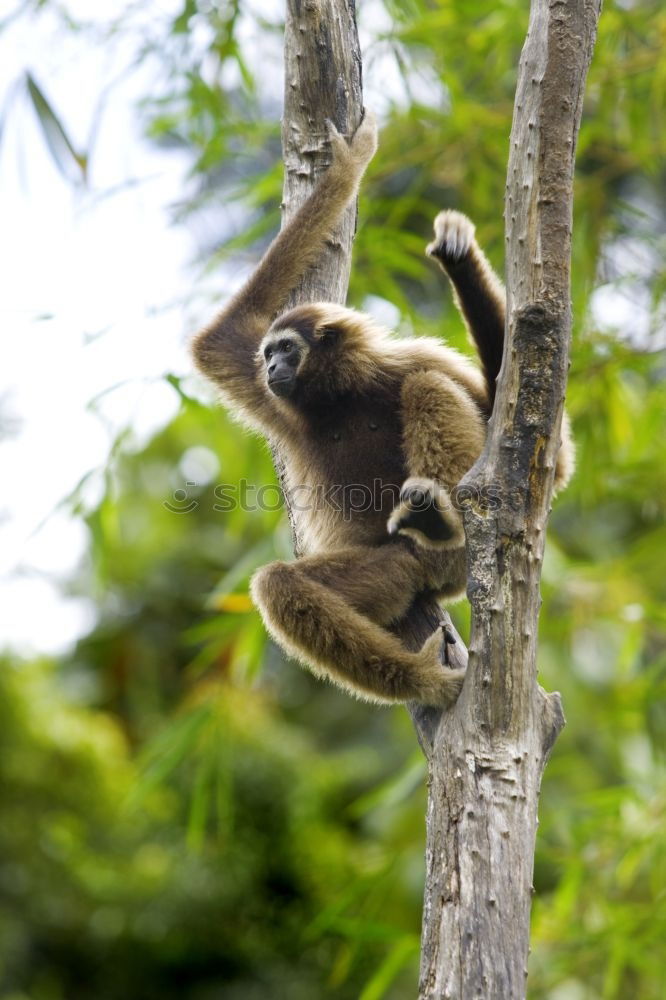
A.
pixel 373 433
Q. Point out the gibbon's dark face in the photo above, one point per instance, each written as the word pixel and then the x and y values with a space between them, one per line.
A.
pixel 283 355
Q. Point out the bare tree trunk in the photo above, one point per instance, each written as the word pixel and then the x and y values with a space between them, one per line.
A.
pixel 322 66
pixel 489 754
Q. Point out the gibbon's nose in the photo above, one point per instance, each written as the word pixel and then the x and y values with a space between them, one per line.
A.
pixel 279 369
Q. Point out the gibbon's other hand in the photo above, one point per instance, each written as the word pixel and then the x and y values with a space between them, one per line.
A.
pixel 426 513
pixel 454 236
pixel 357 153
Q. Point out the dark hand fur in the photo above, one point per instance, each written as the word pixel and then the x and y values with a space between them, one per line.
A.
pixel 369 411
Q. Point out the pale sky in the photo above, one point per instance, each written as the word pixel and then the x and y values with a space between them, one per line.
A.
pixel 106 272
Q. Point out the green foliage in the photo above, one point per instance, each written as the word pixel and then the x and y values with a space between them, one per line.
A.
pixel 185 813
pixel 110 888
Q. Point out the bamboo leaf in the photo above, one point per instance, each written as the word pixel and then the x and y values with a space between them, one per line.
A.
pixel 397 959
pixel 72 165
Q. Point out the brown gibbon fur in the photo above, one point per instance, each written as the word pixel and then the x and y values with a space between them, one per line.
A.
pixel 356 414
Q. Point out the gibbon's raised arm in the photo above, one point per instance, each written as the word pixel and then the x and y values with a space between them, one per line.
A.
pixel 481 298
pixel 478 291
pixel 225 349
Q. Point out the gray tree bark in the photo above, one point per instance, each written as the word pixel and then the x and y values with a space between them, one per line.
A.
pixel 489 752
pixel 322 65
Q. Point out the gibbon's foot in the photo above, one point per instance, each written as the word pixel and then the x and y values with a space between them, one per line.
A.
pixel 454 236
pixel 355 154
pixel 426 514
pixel 440 685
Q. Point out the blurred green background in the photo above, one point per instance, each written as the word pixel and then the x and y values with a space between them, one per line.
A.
pixel 182 812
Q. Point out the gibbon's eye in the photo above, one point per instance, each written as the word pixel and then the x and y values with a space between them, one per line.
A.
pixel 267 353
pixel 286 346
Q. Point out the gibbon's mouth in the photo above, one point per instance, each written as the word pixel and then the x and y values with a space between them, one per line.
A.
pixel 282 386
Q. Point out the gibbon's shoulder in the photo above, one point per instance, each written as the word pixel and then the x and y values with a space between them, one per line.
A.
pixel 430 354
pixel 373 349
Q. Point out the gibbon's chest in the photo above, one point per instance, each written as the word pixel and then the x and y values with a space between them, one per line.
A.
pixel 344 472
pixel 357 440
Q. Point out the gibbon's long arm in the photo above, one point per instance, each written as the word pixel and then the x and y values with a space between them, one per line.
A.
pixel 478 291
pixel 481 298
pixel 225 349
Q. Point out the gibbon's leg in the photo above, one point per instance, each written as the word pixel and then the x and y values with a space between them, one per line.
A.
pixel 443 434
pixel 325 611
pixel 480 296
